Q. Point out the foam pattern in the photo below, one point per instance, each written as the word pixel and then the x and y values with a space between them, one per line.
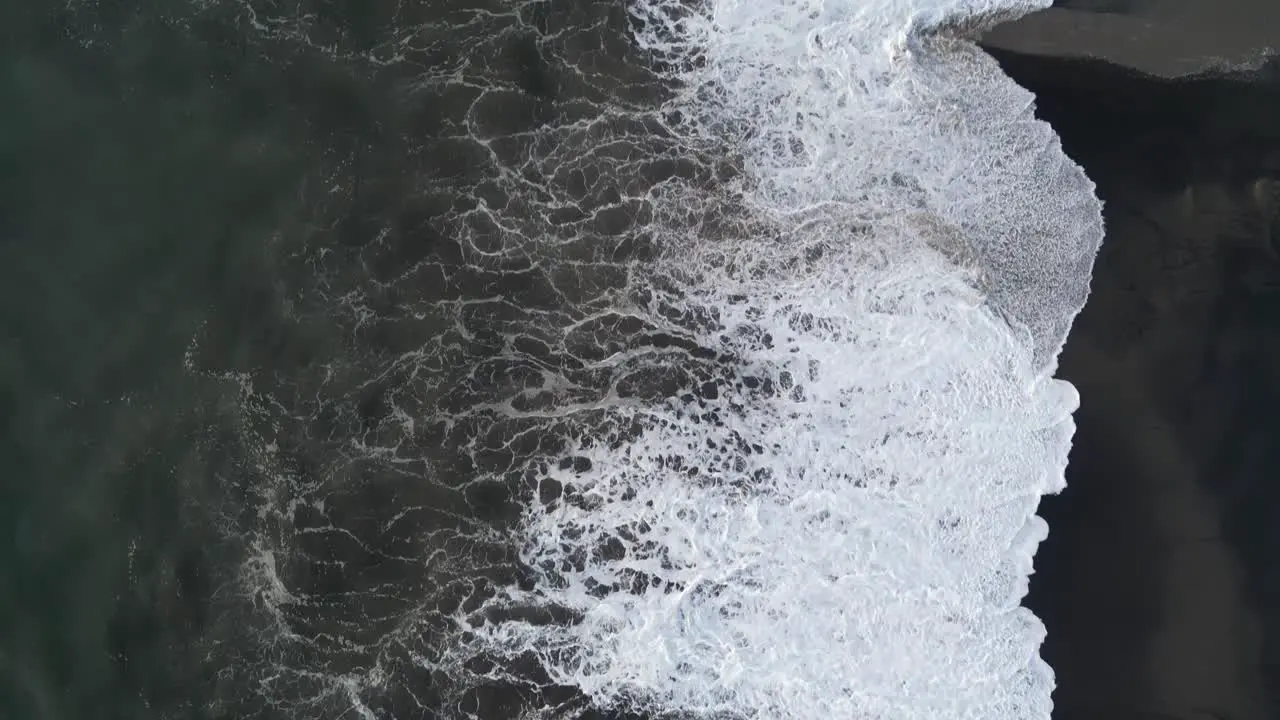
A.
pixel 692 358
pixel 842 526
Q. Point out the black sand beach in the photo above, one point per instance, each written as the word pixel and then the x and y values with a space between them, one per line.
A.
pixel 1158 582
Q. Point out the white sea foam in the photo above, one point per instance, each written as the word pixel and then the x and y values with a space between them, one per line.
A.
pixel 854 542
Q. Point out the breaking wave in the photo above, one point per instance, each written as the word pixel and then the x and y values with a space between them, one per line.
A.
pixel 724 390
pixel 844 526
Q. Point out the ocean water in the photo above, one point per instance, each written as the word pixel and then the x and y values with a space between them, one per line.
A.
pixel 645 358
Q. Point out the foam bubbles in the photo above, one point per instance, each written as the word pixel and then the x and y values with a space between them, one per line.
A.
pixel 843 525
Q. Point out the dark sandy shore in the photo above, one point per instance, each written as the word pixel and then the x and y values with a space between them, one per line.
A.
pixel 1158 583
pixel 1164 38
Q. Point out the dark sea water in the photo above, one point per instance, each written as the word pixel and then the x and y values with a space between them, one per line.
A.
pixel 264 266
pixel 210 218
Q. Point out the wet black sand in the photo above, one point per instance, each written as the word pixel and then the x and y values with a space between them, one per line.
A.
pixel 1158 582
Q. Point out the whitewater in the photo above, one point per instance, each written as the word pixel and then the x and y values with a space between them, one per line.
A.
pixel 855 543
pixel 777 405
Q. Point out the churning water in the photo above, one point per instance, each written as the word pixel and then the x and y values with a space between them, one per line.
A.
pixel 700 367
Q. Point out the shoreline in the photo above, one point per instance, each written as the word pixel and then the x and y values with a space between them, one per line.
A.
pixel 1152 589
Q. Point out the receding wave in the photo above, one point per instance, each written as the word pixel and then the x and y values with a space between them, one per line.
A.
pixel 724 389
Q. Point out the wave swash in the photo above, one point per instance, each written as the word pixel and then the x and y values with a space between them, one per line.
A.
pixel 771 396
